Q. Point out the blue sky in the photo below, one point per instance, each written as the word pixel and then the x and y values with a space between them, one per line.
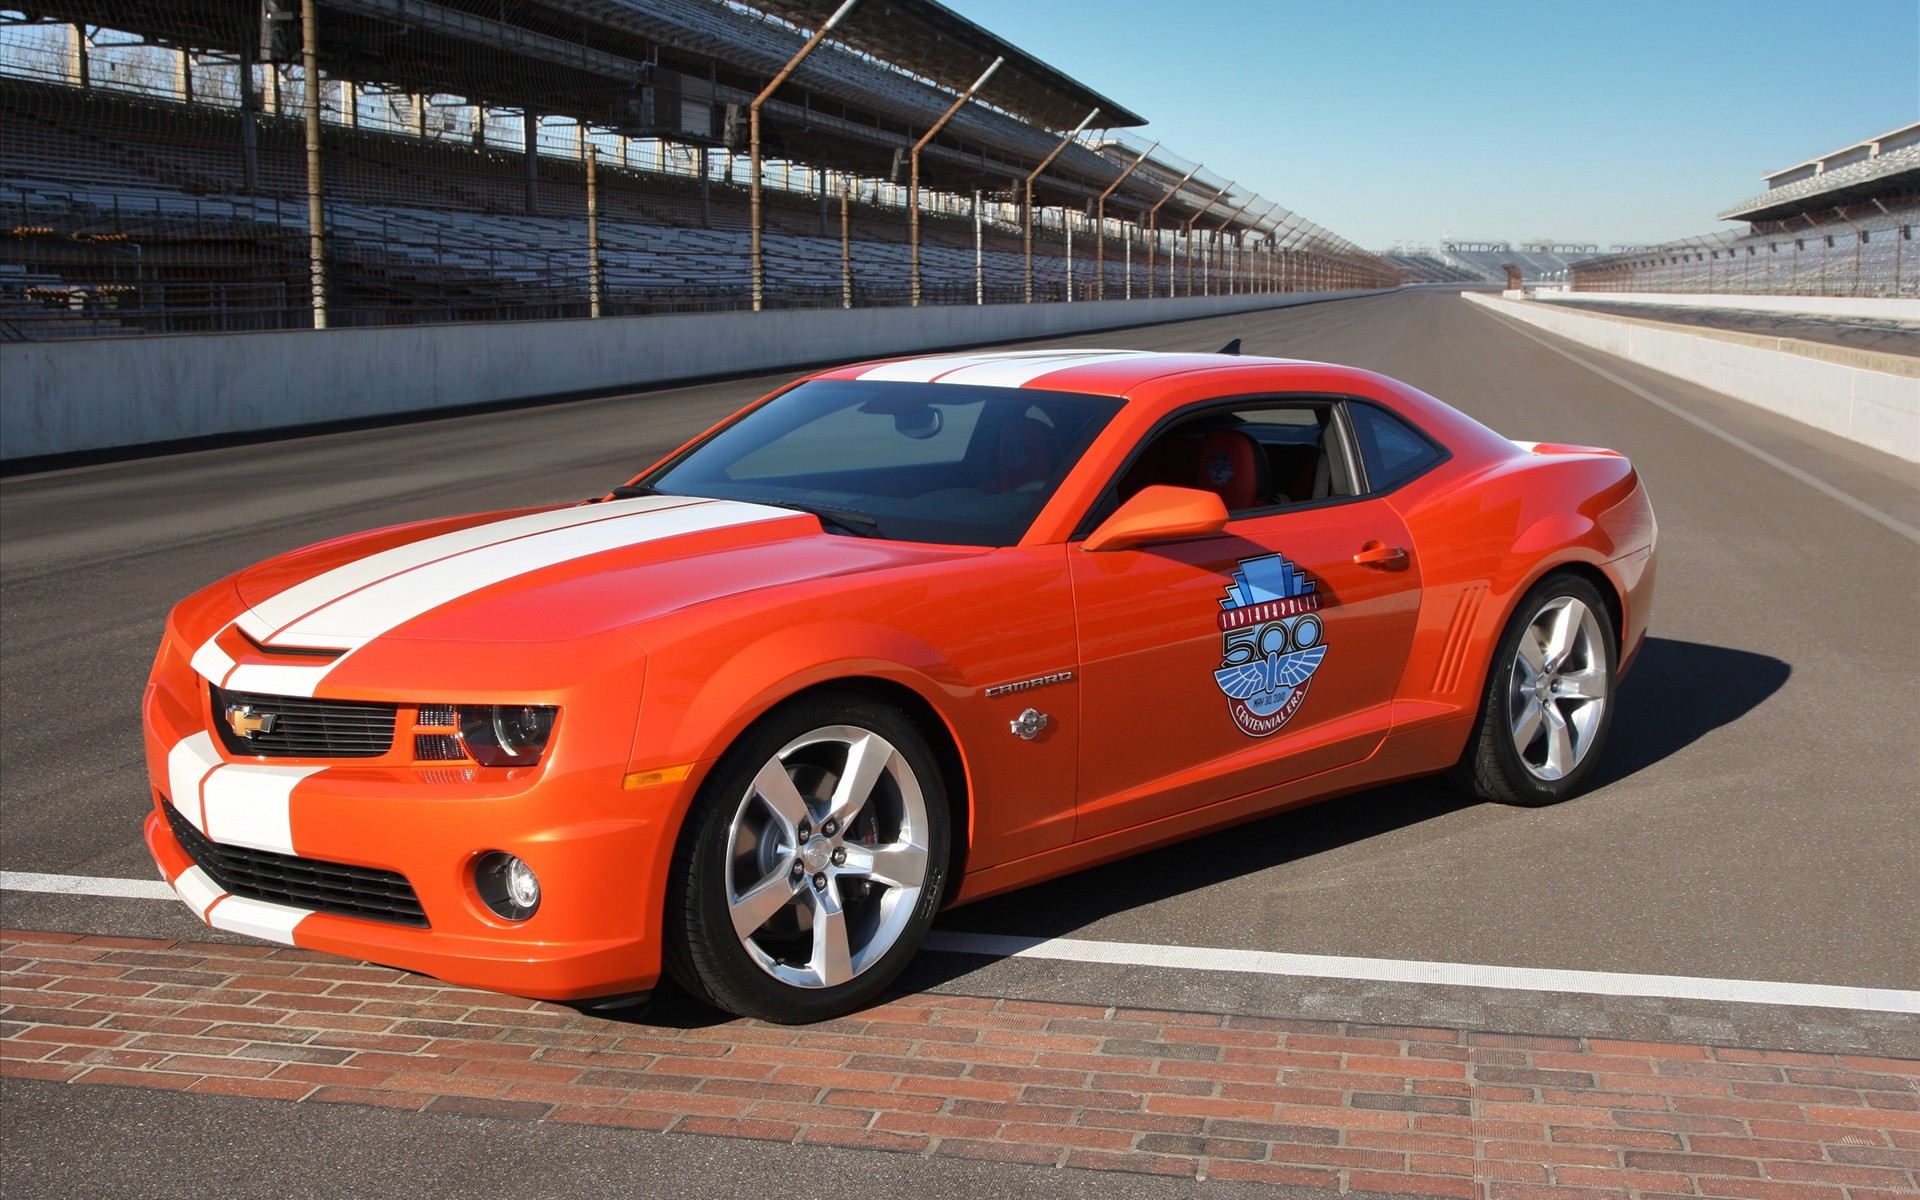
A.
pixel 1399 120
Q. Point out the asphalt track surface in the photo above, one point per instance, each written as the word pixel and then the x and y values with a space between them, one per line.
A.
pixel 1753 818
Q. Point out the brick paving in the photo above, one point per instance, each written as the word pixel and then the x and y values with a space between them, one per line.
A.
pixel 1350 1107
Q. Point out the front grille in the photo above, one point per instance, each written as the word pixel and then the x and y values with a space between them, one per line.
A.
pixel 302 727
pixel 303 882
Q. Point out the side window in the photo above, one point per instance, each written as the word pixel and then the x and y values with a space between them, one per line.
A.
pixel 1394 451
pixel 1255 456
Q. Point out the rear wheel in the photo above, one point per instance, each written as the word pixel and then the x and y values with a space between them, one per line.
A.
pixel 1549 698
pixel 812 864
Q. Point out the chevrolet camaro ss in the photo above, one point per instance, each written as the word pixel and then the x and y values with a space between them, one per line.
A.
pixel 899 636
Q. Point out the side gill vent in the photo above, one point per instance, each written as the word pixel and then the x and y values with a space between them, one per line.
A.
pixel 1453 655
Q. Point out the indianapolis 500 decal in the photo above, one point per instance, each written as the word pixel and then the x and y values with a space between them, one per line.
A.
pixel 1271 643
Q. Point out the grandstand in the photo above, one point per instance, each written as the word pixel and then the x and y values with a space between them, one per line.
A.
pixel 560 158
pixel 1837 225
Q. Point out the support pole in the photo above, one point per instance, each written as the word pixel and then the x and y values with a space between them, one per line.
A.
pixel 1100 222
pixel 979 254
pixel 1187 233
pixel 595 281
pixel 77 64
pixel 530 138
pixel 249 123
pixel 1153 229
pixel 316 209
pixel 753 122
pixel 846 247
pixel 1035 174
pixel 1222 226
pixel 913 188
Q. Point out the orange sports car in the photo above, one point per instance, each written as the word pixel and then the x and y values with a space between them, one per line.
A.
pixel 899 636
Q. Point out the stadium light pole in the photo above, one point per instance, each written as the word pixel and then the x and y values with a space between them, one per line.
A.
pixel 1187 234
pixel 753 121
pixel 1153 228
pixel 1100 222
pixel 1035 174
pixel 316 208
pixel 913 187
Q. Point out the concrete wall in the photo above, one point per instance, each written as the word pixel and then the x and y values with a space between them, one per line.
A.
pixel 1877 408
pixel 1868 307
pixel 63 396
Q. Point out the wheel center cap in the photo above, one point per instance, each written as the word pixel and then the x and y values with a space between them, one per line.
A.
pixel 816 854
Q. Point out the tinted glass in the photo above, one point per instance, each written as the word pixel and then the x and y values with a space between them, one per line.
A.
pixel 917 462
pixel 1395 451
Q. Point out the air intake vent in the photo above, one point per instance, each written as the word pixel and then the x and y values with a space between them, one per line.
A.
pixel 302 882
pixel 302 727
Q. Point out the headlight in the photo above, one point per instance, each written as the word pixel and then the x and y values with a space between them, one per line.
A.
pixel 506 735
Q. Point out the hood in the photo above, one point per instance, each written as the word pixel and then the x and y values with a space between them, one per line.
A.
pixel 546 574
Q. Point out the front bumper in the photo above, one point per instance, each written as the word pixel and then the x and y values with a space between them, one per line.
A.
pixel 601 851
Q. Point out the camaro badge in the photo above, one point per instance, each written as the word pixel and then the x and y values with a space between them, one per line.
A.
pixel 1271 643
pixel 246 723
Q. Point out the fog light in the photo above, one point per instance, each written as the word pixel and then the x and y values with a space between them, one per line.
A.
pixel 507 885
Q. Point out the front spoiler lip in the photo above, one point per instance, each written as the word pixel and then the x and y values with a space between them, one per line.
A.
pixel 543 970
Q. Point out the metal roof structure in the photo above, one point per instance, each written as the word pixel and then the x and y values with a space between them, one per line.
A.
pixel 1879 167
pixel 934 42
pixel 679 69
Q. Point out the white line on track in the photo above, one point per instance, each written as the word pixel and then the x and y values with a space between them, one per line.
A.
pixel 1819 485
pixel 1389 970
pixel 1257 962
pixel 85 885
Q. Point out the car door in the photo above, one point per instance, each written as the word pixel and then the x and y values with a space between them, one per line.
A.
pixel 1217 666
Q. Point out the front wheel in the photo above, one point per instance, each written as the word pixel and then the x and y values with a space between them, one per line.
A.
pixel 812 863
pixel 1548 700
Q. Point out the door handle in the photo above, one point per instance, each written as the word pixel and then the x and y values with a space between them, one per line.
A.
pixel 1382 558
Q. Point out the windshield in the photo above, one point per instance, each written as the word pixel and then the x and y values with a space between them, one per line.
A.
pixel 917 462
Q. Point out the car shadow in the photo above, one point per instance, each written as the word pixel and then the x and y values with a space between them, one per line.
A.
pixel 1677 693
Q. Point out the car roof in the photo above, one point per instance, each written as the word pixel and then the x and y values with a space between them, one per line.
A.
pixel 1092 371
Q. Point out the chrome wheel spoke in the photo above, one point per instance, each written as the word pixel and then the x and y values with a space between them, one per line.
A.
pixel 867 759
pixel 831 962
pixel 1527 725
pixel 1587 684
pixel 762 900
pixel 1560 632
pixel 1532 658
pixel 1560 753
pixel 774 786
pixel 902 865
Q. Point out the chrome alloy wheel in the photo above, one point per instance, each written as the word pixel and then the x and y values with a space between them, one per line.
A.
pixel 1558 690
pixel 826 856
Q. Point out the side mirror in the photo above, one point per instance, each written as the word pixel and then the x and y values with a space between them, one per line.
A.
pixel 1157 514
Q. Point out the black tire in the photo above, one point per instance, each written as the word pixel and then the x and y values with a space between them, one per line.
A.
pixel 741 851
pixel 1494 766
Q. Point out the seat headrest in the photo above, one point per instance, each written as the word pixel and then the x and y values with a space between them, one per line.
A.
pixel 1232 466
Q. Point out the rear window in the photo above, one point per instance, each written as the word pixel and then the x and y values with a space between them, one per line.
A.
pixel 1394 450
pixel 918 462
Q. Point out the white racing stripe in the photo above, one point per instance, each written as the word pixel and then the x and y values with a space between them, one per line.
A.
pixel 1184 958
pixel 197 890
pixel 188 765
pixel 250 805
pixel 1387 970
pixel 304 597
pixel 349 606
pixel 257 918
pixel 1006 369
pixel 1018 373
pixel 357 618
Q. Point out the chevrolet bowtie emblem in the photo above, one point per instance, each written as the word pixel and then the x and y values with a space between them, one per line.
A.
pixel 246 723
